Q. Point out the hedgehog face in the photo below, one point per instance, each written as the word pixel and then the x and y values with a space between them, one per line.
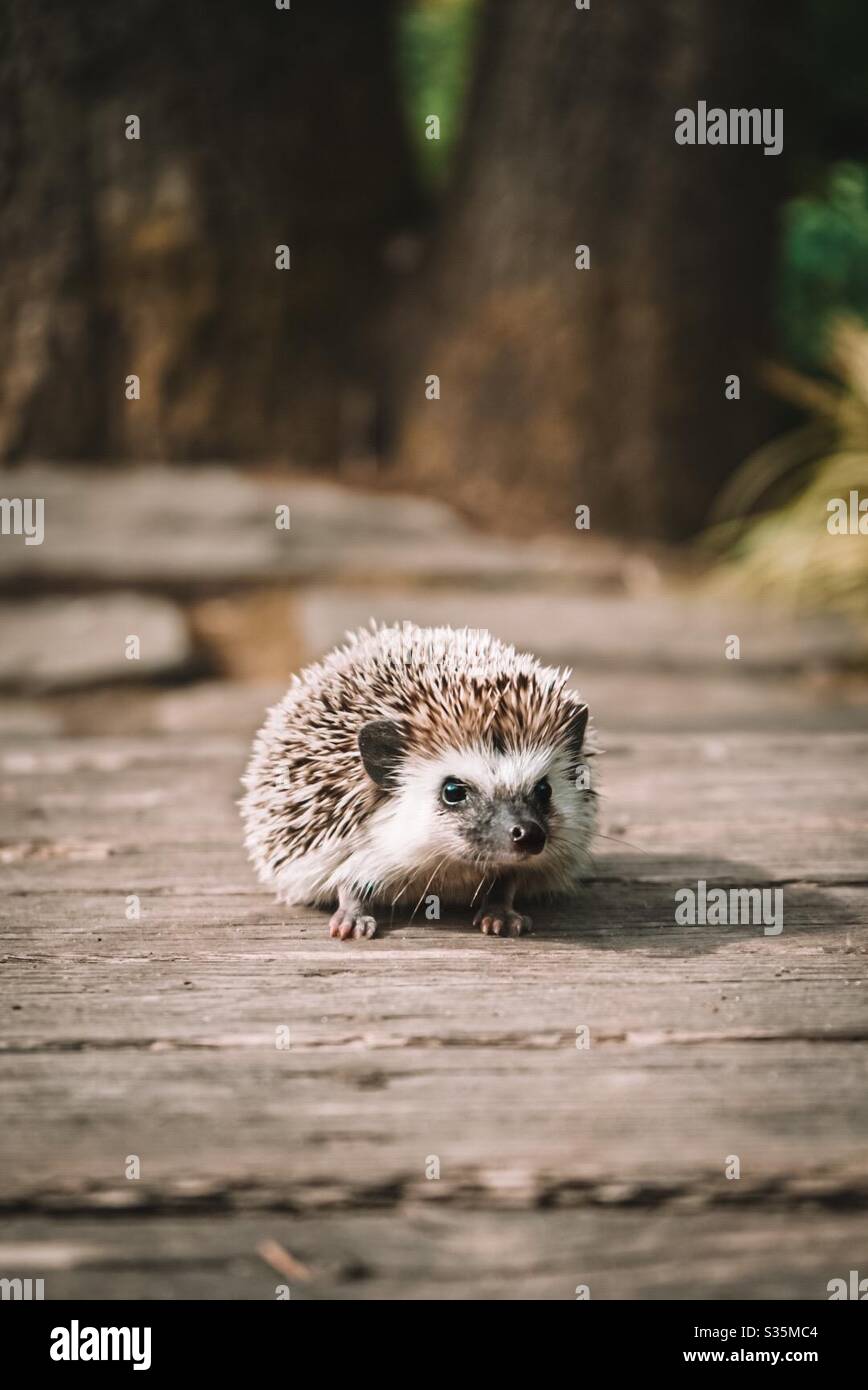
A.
pixel 478 805
pixel 498 825
pixel 503 810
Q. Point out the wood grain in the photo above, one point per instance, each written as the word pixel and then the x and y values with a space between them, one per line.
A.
pixel 558 1165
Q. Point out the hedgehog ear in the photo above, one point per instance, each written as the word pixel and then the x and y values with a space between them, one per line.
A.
pixel 382 744
pixel 576 726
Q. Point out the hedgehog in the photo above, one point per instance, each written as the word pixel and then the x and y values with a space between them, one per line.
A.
pixel 422 761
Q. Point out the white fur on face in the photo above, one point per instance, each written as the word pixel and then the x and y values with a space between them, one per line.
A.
pixel 409 838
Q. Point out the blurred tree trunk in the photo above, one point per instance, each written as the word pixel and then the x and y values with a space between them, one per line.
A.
pixel 603 386
pixel 156 257
pixel 50 354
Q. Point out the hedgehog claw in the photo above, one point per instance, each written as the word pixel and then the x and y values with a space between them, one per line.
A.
pixel 349 926
pixel 502 921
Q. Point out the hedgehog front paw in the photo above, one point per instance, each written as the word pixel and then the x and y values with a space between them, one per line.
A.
pixel 502 921
pixel 351 926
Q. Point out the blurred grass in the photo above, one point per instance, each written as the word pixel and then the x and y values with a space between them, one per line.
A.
pixel 772 534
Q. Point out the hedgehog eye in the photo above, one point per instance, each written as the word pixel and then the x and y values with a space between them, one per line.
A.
pixel 453 792
pixel 543 791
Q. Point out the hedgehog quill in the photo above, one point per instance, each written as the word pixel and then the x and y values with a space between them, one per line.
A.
pixel 422 760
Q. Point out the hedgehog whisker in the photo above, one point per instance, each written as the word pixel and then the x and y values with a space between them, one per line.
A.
pixel 400 892
pixel 617 841
pixel 404 886
pixel 437 869
pixel 481 881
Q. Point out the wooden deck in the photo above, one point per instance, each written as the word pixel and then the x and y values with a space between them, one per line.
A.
pixel 559 1166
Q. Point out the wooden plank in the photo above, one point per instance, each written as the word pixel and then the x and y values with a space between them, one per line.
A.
pixel 158 1037
pixel 162 811
pixel 739 700
pixel 621 952
pixel 666 629
pixel 373 1108
pixel 437 1253
pixel 225 520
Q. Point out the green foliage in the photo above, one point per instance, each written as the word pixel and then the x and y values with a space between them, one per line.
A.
pixel 824 269
pixel 435 53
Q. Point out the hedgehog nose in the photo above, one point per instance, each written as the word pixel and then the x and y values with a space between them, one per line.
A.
pixel 528 837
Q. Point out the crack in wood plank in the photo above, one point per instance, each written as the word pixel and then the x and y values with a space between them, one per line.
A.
pixel 476 1188
pixel 638 1038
